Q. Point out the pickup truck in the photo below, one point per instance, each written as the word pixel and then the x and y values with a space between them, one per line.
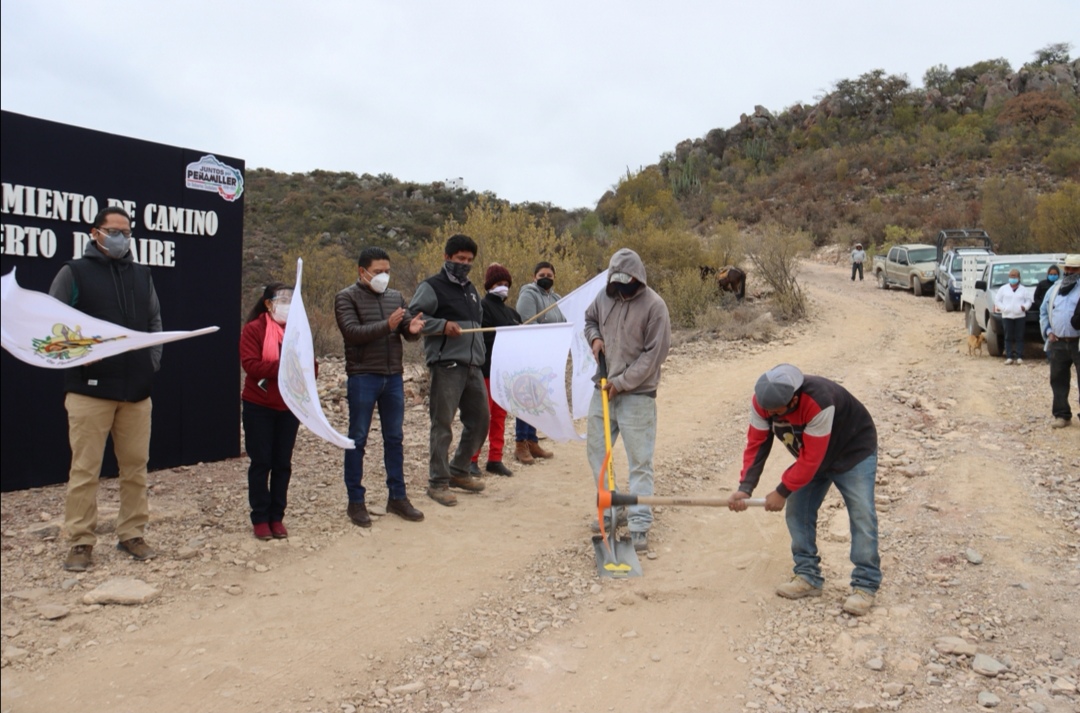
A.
pixel 948 280
pixel 980 314
pixel 908 267
pixel 955 246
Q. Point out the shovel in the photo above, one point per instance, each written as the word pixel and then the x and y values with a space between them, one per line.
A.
pixel 614 557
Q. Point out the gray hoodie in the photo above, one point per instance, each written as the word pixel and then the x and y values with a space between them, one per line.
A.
pixel 636 331
pixel 532 300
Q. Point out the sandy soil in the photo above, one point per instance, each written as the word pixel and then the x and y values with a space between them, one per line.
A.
pixel 495 605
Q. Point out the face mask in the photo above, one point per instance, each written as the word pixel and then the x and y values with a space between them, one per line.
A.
pixel 280 313
pixel 625 289
pixel 1014 280
pixel 545 283
pixel 501 291
pixel 458 270
pixel 379 282
pixel 115 245
pixel 1052 278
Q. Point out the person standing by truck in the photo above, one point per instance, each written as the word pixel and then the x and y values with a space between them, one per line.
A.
pixel 858 257
pixel 1059 323
pixel 1013 300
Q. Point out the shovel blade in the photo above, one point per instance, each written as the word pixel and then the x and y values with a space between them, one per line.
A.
pixel 615 558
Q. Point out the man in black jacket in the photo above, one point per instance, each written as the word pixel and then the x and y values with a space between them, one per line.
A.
pixel 111 395
pixel 455 360
pixel 371 317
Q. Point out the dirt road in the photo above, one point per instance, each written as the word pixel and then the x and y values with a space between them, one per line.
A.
pixel 495 605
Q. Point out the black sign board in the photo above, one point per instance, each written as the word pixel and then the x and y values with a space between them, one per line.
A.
pixel 187 210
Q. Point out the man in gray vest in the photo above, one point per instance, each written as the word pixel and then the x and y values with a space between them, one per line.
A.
pixel 111 395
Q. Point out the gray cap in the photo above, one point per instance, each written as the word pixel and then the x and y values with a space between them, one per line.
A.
pixel 776 387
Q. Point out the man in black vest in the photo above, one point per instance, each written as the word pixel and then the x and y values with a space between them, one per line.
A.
pixel 455 361
pixel 111 395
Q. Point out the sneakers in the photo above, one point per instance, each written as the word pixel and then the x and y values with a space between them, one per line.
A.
pixel 522 454
pixel 261 530
pixel 797 588
pixel 359 515
pixel 277 529
pixel 1008 361
pixel 859 602
pixel 1018 361
pixel 640 541
pixel 442 495
pixel 620 521
pixel 536 451
pixel 497 467
pixel 1061 422
pixel 78 559
pixel 137 548
pixel 474 469
pixel 404 509
pixel 472 485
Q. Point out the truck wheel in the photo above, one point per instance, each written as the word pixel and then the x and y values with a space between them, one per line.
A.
pixel 995 341
pixel 916 287
pixel 972 323
pixel 881 280
pixel 949 305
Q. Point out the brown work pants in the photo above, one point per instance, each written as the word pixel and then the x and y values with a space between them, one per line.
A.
pixel 90 421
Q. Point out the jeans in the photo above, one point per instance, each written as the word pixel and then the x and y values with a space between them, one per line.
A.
pixel 856 267
pixel 496 429
pixel 857 488
pixel 524 431
pixel 365 392
pixel 633 415
pixel 90 421
pixel 455 388
pixel 1063 354
pixel 1014 337
pixel 269 436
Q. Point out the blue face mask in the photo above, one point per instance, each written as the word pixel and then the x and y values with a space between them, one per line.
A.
pixel 1052 277
pixel 1014 280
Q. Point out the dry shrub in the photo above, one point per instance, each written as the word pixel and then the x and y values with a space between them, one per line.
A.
pixel 687 295
pixel 775 258
pixel 327 270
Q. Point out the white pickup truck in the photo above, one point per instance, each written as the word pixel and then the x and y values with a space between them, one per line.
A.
pixel 979 288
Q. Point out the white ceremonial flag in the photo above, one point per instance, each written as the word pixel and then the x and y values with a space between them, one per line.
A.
pixel 40 330
pixel 573 307
pixel 528 376
pixel 296 373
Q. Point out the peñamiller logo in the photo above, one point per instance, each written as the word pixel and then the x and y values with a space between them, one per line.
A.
pixel 209 174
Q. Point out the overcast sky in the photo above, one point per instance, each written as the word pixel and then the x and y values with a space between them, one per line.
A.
pixel 541 101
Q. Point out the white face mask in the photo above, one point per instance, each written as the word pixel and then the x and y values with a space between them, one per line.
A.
pixel 280 313
pixel 501 291
pixel 379 282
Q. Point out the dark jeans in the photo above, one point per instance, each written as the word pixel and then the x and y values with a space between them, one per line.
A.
pixel 857 488
pixel 455 388
pixel 856 267
pixel 523 431
pixel 1014 337
pixel 365 392
pixel 1063 355
pixel 269 436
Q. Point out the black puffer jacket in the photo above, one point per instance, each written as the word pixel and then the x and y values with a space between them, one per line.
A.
pixel 362 316
pixel 496 314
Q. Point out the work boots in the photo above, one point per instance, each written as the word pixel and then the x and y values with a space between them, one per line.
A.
pixel 359 515
pixel 537 452
pixel 404 509
pixel 522 452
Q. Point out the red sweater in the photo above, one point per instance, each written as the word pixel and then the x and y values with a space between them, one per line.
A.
pixel 257 370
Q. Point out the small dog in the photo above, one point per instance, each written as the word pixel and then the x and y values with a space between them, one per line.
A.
pixel 975 343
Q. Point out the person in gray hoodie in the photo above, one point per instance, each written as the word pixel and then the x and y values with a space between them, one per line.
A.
pixel 630 324
pixel 537 298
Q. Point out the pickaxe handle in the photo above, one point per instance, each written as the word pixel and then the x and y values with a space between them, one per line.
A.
pixel 618 499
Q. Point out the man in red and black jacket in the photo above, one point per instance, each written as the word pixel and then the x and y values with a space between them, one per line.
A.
pixel 834 442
